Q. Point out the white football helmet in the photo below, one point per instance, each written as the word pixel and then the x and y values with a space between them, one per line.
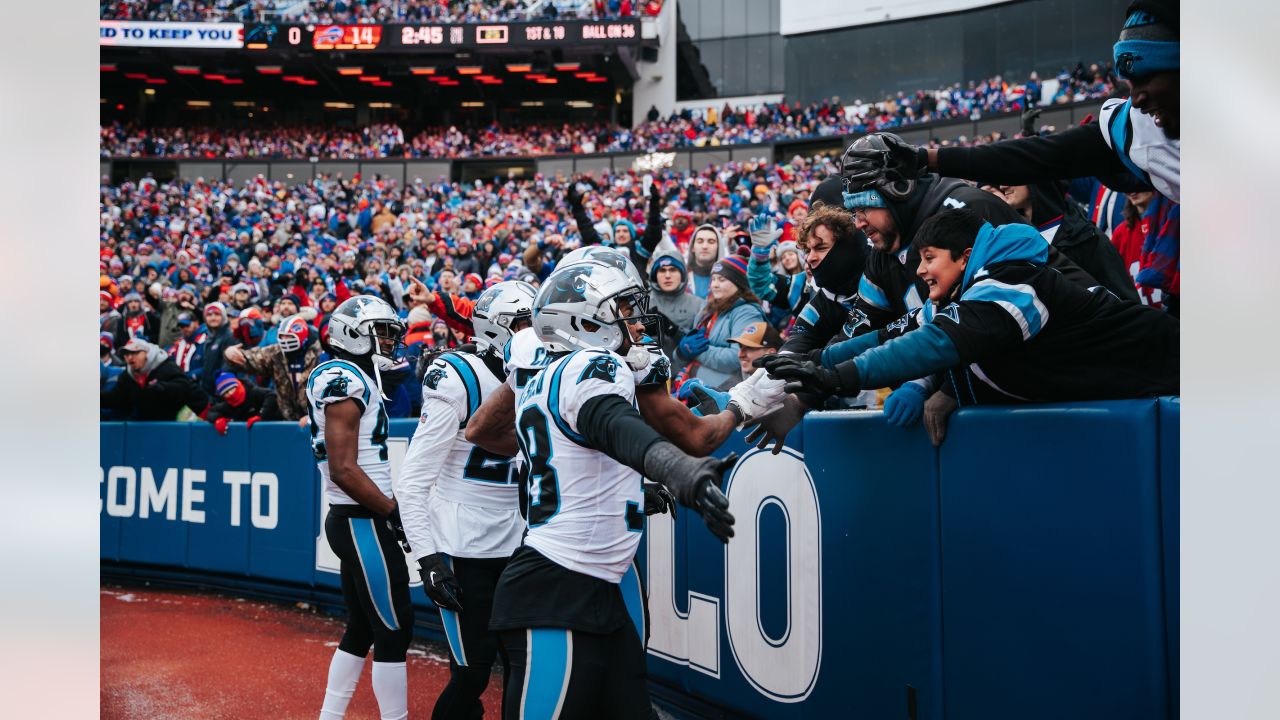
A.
pixel 606 255
pixel 497 309
pixel 364 325
pixel 578 307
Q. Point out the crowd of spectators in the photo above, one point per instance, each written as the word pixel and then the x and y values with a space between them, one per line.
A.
pixel 375 11
pixel 220 279
pixel 688 128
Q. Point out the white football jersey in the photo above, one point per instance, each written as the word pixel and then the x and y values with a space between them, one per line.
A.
pixel 330 382
pixel 455 497
pixel 586 510
pixel 1142 146
pixel 523 357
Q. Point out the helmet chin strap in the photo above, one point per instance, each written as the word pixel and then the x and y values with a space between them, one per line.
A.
pixel 377 373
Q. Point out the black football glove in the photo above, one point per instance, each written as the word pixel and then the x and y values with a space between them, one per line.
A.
pixel 808 376
pixel 396 526
pixel 1029 117
pixel 572 195
pixel 899 160
pixel 773 428
pixel 695 482
pixel 658 499
pixel 440 583
pixel 769 362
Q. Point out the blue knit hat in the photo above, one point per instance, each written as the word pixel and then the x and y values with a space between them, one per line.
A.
pixel 666 261
pixel 226 382
pixel 863 199
pixel 1149 40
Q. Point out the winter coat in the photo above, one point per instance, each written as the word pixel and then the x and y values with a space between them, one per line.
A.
pixel 720 360
pixel 291 388
pixel 157 393
pixel 215 342
pixel 680 308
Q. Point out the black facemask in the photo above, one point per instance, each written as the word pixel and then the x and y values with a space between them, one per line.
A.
pixel 840 269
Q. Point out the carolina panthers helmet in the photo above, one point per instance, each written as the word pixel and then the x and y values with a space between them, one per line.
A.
pixel 292 333
pixel 606 255
pixel 497 309
pixel 364 325
pixel 865 166
pixel 579 306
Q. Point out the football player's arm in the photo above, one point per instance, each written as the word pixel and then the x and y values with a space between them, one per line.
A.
pixel 341 441
pixel 614 427
pixel 436 431
pixel 493 425
pixel 1069 154
pixel 697 436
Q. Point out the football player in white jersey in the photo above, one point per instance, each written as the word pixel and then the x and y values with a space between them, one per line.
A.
pixel 460 502
pixel 573 649
pixel 492 426
pixel 349 439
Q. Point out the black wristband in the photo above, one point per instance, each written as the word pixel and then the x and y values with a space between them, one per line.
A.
pixel 738 416
pixel 922 158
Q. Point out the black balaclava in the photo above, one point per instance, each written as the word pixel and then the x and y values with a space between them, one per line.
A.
pixel 840 270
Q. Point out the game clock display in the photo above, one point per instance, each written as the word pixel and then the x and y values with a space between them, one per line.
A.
pixel 418 38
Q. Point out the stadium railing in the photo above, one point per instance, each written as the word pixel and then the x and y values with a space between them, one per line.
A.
pixel 1028 568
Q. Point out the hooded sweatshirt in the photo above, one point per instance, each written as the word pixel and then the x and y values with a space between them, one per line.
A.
pixel 1068 229
pixel 156 393
pixel 680 307
pixel 701 274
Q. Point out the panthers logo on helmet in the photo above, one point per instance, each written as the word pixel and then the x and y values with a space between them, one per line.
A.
pixel 433 378
pixel 603 367
pixel 337 387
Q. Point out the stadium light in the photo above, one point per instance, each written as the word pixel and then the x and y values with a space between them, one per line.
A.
pixel 106 67
pixel 308 83
pixel 187 69
pixel 567 67
pixel 370 78
pixel 244 103
pixel 580 103
pixel 198 103
pixel 270 69
pixel 150 91
pixel 381 105
pixel 233 81
pixel 470 69
pixel 584 75
pixel 339 106
pixel 597 80
pixel 215 76
pixel 519 67
pixel 156 81
pixel 136 76
pixel 472 103
pixel 422 70
pixel 293 78
pixel 546 81
pixel 382 83
pixel 350 71
pixel 531 103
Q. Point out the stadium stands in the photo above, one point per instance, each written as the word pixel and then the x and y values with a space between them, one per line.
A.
pixel 724 126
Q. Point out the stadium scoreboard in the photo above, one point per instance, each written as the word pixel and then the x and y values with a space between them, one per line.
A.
pixel 427 38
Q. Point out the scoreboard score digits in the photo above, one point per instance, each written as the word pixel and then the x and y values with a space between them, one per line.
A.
pixel 393 38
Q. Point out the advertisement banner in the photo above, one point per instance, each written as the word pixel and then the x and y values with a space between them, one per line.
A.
pixel 129 33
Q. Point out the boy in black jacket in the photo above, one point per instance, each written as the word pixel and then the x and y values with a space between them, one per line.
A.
pixel 1010 329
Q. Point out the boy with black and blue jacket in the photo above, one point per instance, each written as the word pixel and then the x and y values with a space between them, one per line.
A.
pixel 1009 329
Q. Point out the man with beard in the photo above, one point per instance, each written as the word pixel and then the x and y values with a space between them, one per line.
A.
pixel 153 388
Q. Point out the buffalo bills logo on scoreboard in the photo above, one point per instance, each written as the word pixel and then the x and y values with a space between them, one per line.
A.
pixel 327 35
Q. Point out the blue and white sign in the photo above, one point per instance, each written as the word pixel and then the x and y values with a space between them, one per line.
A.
pixel 130 33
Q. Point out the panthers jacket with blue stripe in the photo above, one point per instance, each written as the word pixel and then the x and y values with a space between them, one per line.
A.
pixel 1022 332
